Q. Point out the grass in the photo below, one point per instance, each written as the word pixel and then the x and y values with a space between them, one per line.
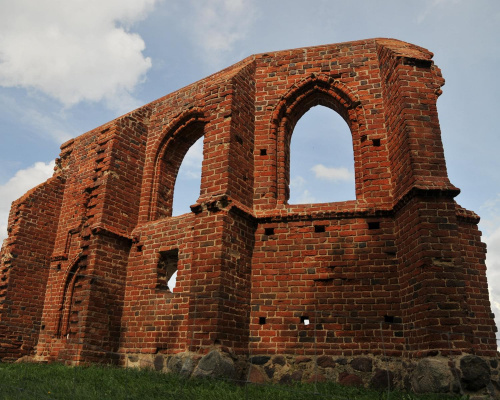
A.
pixel 55 381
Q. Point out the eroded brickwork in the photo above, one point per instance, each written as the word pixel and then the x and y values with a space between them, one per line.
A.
pixel 398 271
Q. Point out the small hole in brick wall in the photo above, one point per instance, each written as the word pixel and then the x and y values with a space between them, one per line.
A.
pixel 376 142
pixel 262 320
pixel 363 138
pixel 216 342
pixel 139 248
pixel 304 320
pixel 263 152
pixel 268 231
pixel 43 327
pixel 373 225
pixel 58 267
pixel 319 228
pixel 389 319
pixel 239 139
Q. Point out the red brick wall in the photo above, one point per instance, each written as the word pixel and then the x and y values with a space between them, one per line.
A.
pixel 400 270
pixel 343 278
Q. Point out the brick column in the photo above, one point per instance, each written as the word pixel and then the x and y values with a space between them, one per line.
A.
pixel 24 266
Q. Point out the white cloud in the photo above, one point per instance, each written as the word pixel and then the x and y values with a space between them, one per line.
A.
pixel 19 184
pixel 332 174
pixel 297 182
pixel 305 197
pixel 298 193
pixel 74 50
pixel 218 25
pixel 432 6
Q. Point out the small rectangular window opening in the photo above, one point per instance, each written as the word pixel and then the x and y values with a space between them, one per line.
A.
pixel 373 225
pixel 167 269
pixel 304 320
pixel 319 228
pixel 376 142
pixel 262 320
pixel 268 231
pixel 263 152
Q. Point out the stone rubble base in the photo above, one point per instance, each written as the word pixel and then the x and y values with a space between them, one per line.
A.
pixel 466 374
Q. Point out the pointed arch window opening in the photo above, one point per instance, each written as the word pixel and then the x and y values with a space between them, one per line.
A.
pixel 321 158
pixel 179 161
pixel 187 186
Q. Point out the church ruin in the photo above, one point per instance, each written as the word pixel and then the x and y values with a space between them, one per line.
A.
pixel 398 272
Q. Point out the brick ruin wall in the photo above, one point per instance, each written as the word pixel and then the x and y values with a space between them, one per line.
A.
pixel 398 272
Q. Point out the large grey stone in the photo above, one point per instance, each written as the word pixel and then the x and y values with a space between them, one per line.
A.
pixel 187 367
pixel 280 360
pixel 255 375
pixel 476 373
pixel 347 379
pixel 270 370
pixel 182 363
pixel 297 376
pixel 362 364
pixel 174 363
pixel 325 362
pixel 259 360
pixel 382 379
pixel 432 376
pixel 215 365
pixel 158 362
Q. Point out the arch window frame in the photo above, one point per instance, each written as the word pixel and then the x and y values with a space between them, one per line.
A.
pixel 176 142
pixel 314 91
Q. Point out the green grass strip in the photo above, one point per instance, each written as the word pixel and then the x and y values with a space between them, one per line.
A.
pixel 55 381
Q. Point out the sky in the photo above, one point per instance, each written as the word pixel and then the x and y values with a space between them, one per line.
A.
pixel 67 67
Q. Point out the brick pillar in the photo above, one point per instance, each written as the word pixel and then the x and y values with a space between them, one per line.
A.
pixel 411 84
pixel 97 335
pixel 83 304
pixel 24 267
pixel 431 273
pixel 220 278
pixel 480 321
